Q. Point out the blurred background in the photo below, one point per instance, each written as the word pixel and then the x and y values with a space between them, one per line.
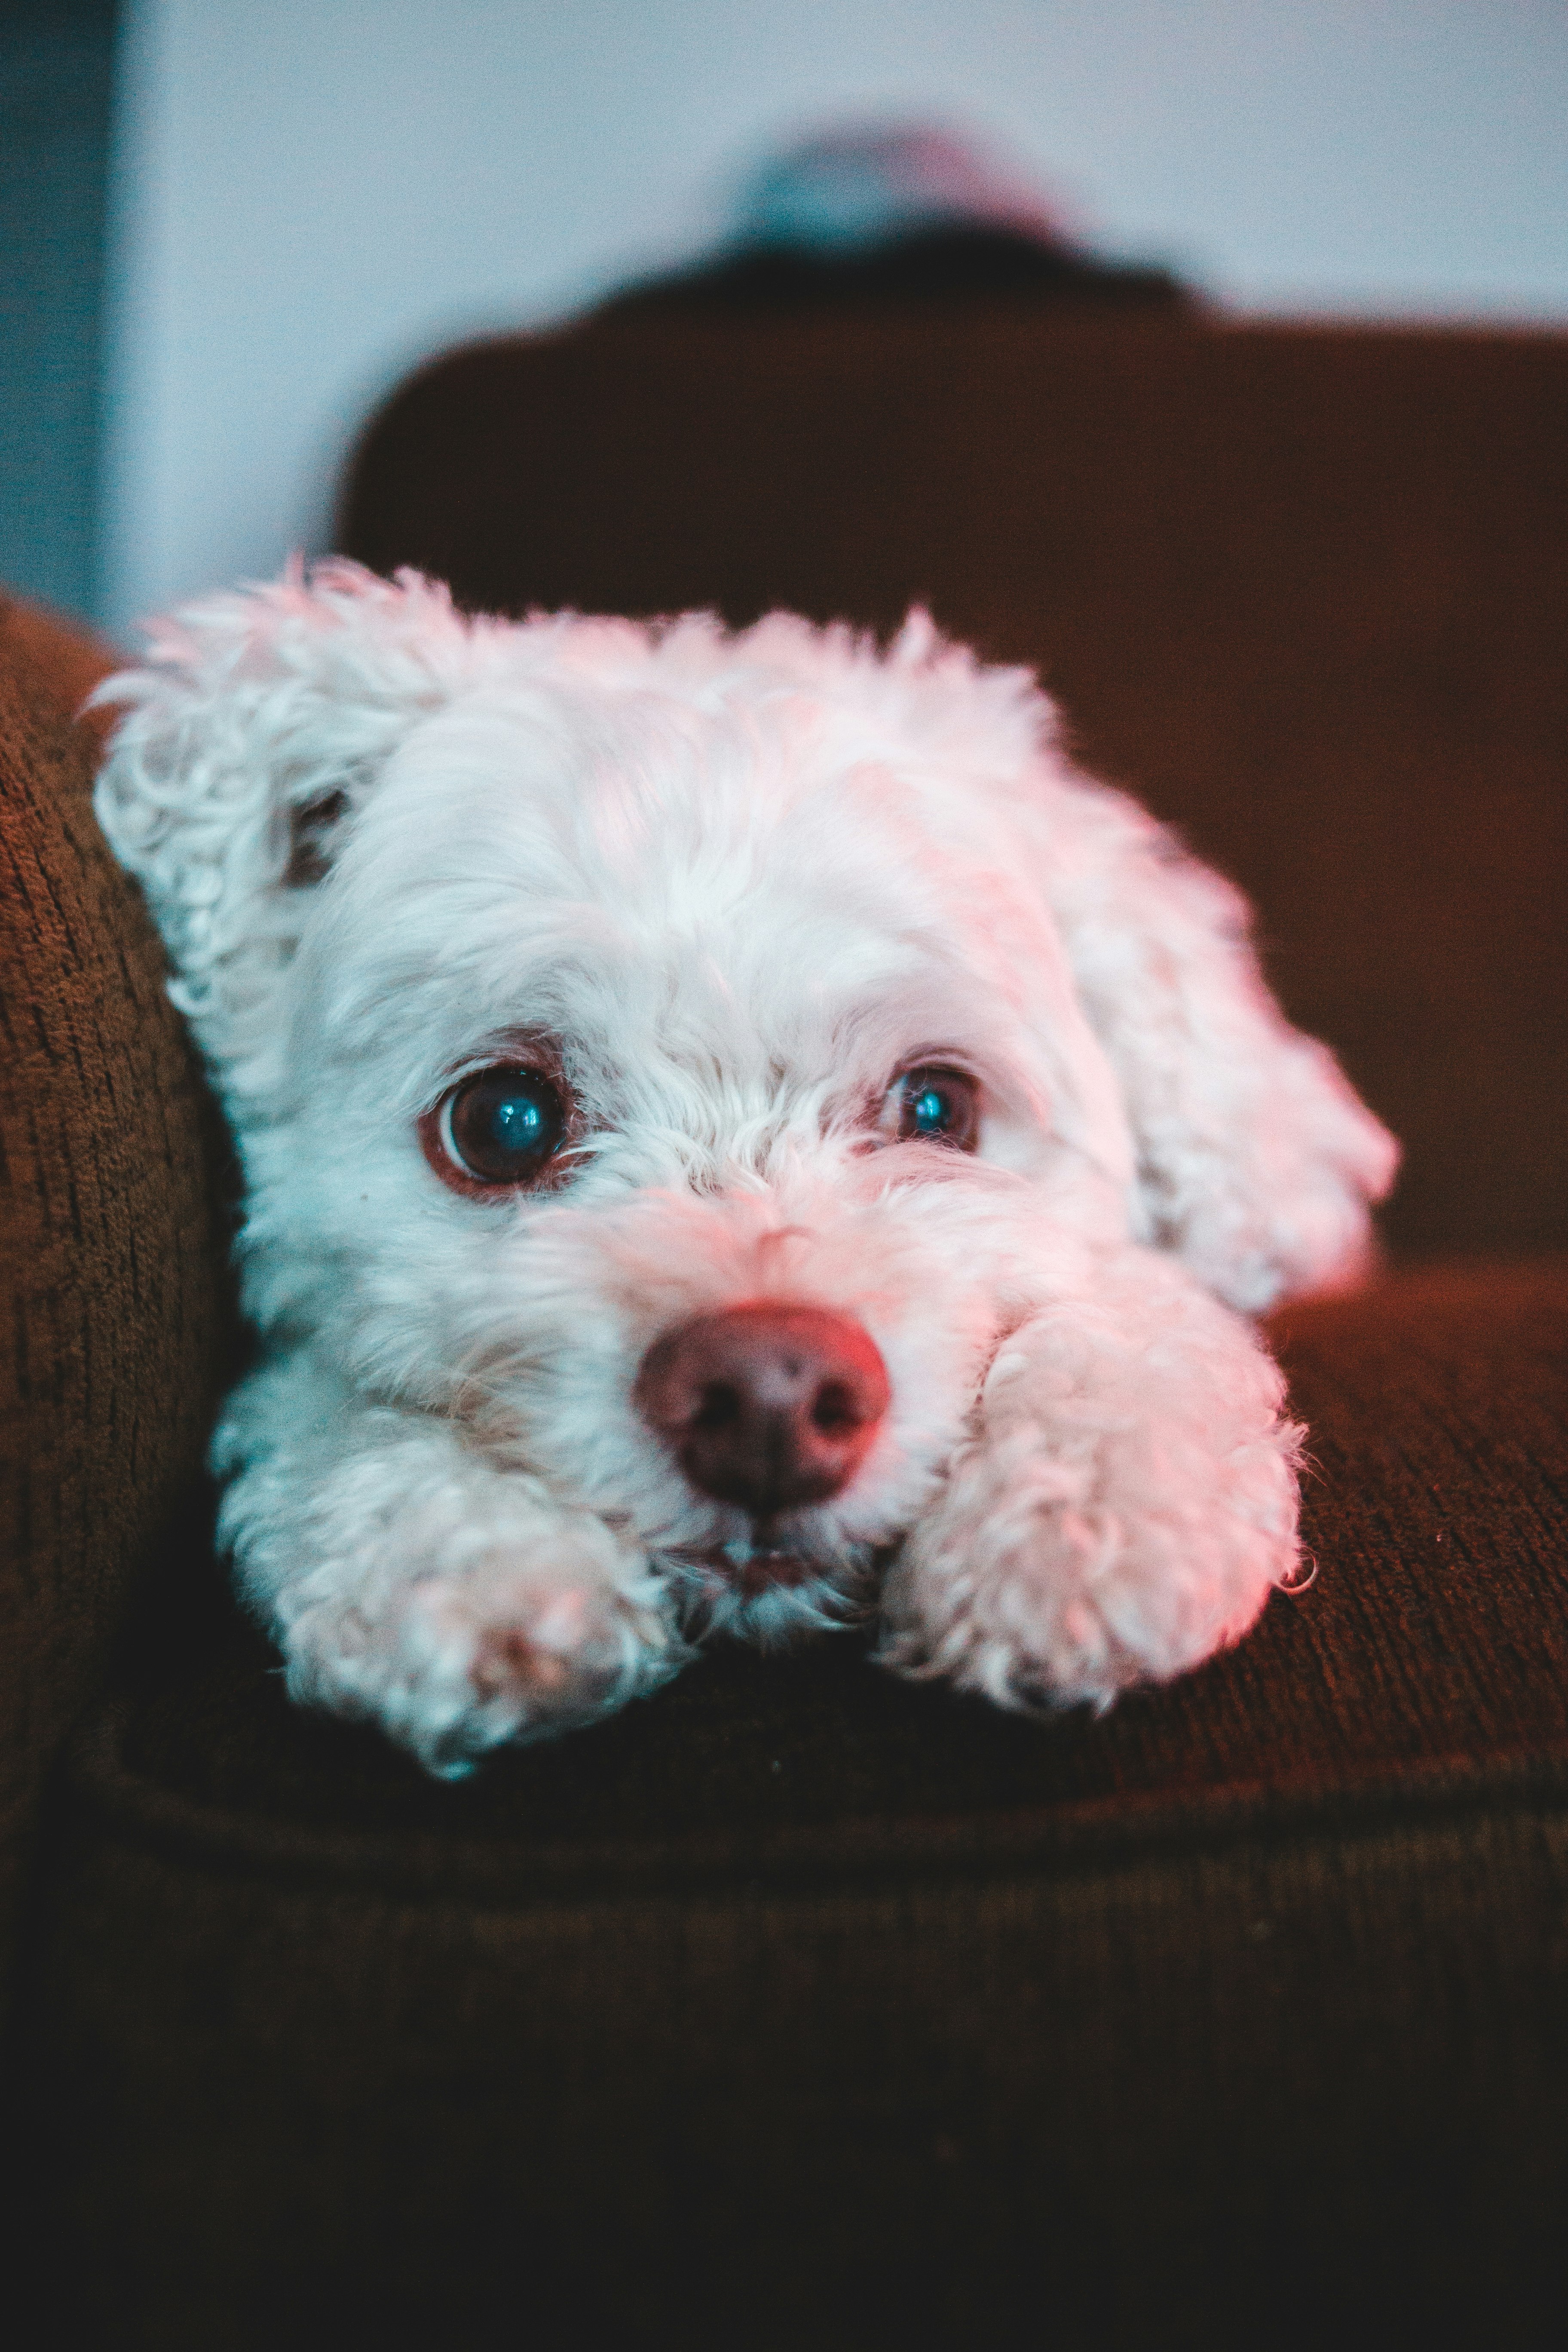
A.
pixel 229 225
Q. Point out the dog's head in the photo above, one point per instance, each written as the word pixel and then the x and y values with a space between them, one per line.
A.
pixel 683 1055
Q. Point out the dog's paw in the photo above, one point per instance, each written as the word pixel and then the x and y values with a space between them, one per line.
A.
pixel 512 1646
pixel 1125 1509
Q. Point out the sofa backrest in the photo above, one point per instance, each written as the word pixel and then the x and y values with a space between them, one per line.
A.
pixel 1305 591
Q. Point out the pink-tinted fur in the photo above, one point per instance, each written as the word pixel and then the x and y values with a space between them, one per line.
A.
pixel 740 883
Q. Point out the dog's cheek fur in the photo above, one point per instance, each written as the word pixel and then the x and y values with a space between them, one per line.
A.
pixel 553 1327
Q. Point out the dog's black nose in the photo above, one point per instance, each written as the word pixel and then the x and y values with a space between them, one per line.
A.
pixel 767 1405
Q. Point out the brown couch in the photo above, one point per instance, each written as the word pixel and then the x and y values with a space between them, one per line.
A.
pixel 797 2007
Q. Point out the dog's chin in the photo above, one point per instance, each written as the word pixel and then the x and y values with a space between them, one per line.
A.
pixel 765 1594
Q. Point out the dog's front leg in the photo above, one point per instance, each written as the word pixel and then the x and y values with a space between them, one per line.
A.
pixel 411 1579
pixel 1124 1504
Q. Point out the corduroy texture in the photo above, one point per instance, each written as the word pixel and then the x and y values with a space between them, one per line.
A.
pixel 111 1253
pixel 798 2006
pixel 1298 589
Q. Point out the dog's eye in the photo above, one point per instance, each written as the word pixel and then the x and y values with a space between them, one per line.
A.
pixel 497 1131
pixel 938 1106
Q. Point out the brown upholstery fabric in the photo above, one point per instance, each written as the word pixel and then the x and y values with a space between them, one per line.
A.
pixel 56 662
pixel 1305 591
pixel 806 2007
pixel 109 1243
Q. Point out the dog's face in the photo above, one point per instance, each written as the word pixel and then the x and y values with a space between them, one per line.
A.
pixel 627 1000
pixel 678 1059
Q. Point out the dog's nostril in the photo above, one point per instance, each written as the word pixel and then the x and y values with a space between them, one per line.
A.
pixel 720 1406
pixel 835 1409
pixel 767 1405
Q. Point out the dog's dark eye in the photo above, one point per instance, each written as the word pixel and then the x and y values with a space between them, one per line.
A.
pixel 499 1129
pixel 938 1105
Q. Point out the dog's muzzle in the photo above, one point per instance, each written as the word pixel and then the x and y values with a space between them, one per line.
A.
pixel 767 1405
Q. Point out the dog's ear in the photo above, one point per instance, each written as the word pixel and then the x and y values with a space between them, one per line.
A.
pixel 254 730
pixel 1256 1161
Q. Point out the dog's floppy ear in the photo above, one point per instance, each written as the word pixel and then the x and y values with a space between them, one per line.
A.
pixel 1255 1158
pixel 258 724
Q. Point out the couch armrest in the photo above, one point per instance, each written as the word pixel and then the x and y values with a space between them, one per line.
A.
pixel 110 1246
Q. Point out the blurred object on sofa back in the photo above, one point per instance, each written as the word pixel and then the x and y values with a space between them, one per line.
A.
pixel 871 216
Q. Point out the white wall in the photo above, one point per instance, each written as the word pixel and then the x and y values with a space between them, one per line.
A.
pixel 309 194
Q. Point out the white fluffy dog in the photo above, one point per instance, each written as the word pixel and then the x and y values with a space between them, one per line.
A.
pixel 724 1118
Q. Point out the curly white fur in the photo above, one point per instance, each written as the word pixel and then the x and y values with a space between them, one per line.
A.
pixel 739 882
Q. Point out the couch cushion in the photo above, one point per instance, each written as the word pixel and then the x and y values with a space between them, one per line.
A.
pixel 1292 586
pixel 931 2017
pixel 110 1250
